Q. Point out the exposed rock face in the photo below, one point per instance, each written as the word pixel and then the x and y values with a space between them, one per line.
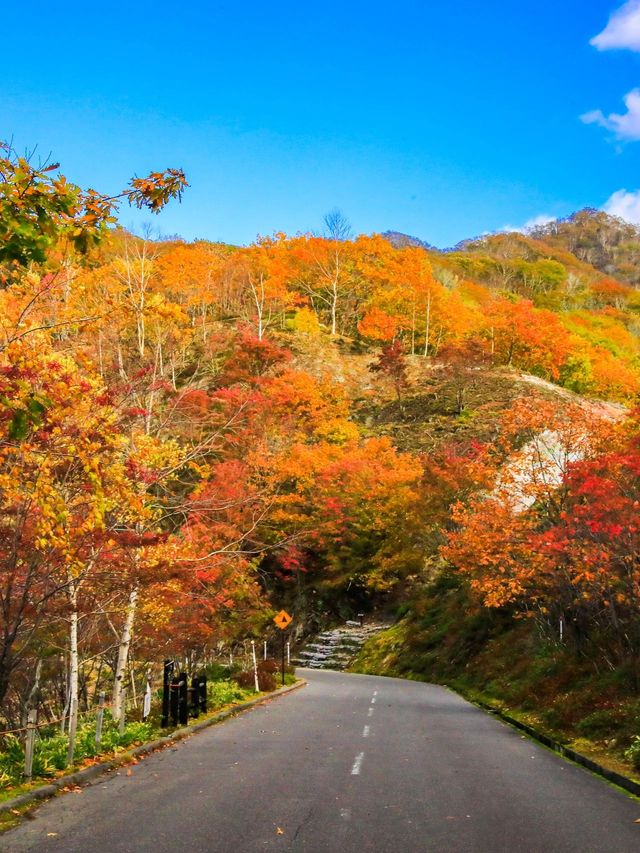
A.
pixel 335 649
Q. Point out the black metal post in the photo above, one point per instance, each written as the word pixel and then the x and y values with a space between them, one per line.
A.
pixel 166 690
pixel 183 701
pixel 203 693
pixel 195 695
pixel 175 700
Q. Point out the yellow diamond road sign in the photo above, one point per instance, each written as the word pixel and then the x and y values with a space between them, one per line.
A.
pixel 282 619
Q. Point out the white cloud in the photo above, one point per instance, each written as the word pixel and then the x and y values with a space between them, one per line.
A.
pixel 624 204
pixel 625 126
pixel 534 222
pixel 623 29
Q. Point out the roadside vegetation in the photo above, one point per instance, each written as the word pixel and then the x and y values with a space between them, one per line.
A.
pixel 226 687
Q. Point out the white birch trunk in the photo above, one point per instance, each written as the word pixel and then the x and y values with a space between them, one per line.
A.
pixel 123 654
pixel 73 656
pixel 413 330
pixel 121 370
pixel 334 304
pixel 259 299
pixel 428 327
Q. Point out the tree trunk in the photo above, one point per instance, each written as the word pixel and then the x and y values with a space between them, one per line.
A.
pixel 121 370
pixel 73 654
pixel 6 668
pixel 123 654
pixel 31 700
pixel 428 326
pixel 334 308
pixel 259 299
pixel 413 330
pixel 204 323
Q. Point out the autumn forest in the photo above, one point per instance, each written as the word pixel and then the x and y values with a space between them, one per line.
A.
pixel 193 435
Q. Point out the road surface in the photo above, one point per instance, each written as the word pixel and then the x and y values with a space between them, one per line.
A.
pixel 348 764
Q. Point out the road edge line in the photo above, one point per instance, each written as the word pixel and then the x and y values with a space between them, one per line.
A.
pixel 630 786
pixel 88 774
pixel 624 782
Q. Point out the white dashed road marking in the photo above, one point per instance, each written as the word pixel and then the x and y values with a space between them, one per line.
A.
pixel 357 764
pixel 365 731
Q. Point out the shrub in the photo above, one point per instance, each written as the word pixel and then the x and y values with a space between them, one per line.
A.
pixel 86 742
pixel 218 671
pixel 601 723
pixel 11 757
pixel 50 754
pixel 266 681
pixel 225 692
pixel 245 679
pixel 633 753
pixel 135 733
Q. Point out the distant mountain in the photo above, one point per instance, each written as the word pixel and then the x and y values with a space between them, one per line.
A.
pixel 400 241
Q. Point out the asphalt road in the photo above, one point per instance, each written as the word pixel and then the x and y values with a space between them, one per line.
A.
pixel 347 764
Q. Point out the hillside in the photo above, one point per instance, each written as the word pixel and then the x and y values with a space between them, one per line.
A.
pixel 607 243
pixel 194 435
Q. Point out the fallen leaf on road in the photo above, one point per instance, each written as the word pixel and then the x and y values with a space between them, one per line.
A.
pixel 14 811
pixel 129 772
pixel 279 831
pixel 51 834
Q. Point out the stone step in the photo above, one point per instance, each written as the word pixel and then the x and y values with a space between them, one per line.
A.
pixel 336 648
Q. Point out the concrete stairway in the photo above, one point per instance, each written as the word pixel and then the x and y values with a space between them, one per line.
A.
pixel 335 649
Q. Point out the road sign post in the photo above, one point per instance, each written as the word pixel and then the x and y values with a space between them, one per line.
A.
pixel 283 658
pixel 166 691
pixel 282 620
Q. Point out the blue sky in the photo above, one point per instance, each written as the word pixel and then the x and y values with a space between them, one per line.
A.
pixel 440 120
